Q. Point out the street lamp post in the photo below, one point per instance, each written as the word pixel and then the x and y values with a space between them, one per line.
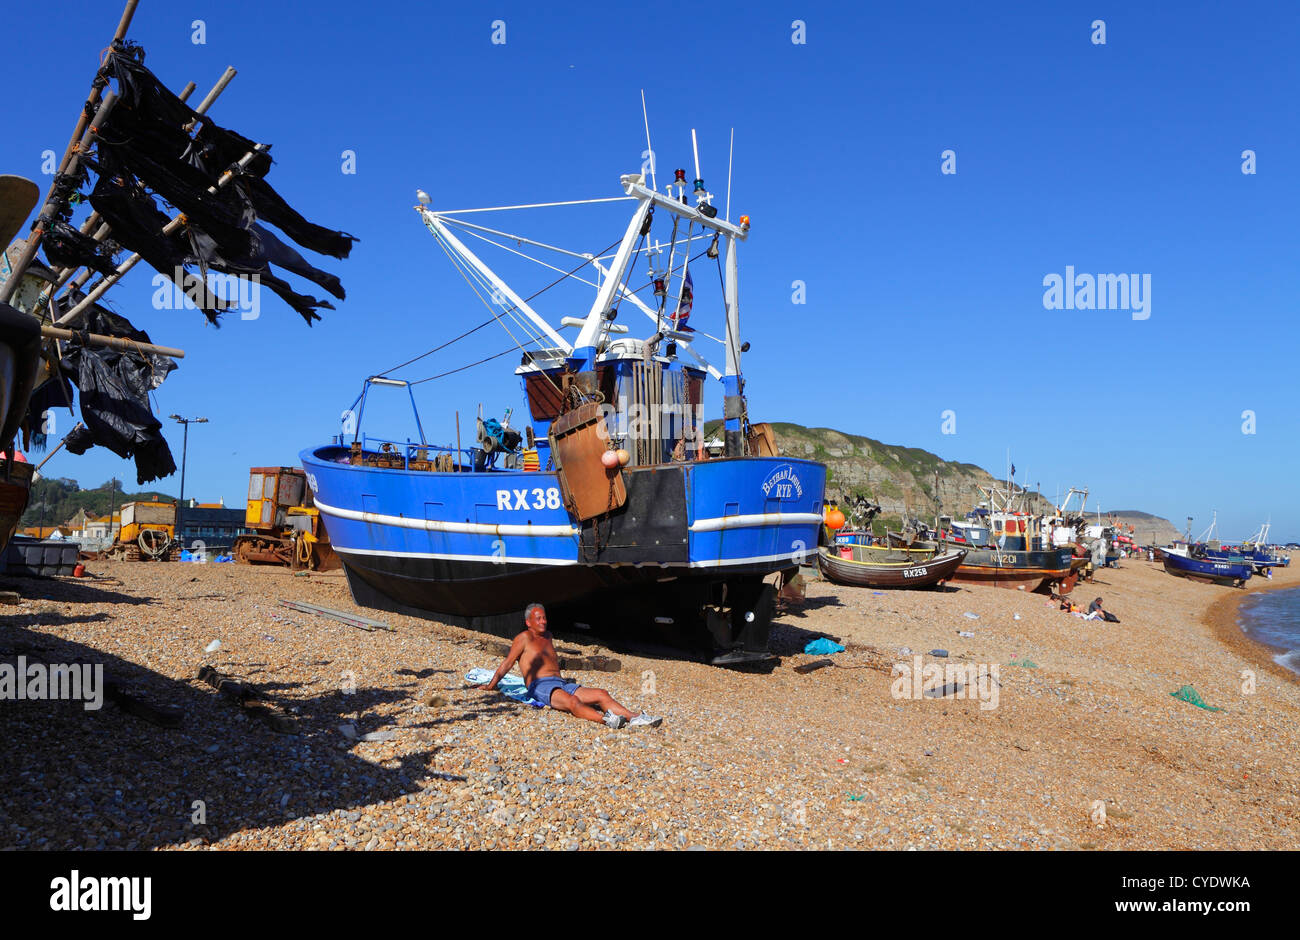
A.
pixel 185 445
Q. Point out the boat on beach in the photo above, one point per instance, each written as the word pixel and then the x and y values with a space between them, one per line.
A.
pixel 608 509
pixel 20 346
pixel 1008 547
pixel 1212 570
pixel 20 341
pixel 882 567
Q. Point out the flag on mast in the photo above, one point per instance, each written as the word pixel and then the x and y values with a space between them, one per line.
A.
pixel 684 307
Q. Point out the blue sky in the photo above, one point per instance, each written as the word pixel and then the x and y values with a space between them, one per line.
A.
pixel 924 291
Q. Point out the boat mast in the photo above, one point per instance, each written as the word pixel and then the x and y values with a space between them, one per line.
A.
pixel 732 381
pixel 583 358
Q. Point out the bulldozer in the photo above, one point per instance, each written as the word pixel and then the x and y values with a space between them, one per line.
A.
pixel 286 527
pixel 147 533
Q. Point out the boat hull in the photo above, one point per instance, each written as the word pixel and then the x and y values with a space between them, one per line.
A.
pixel 692 542
pixel 1028 571
pixel 15 488
pixel 1229 574
pixel 910 574
pixel 19 360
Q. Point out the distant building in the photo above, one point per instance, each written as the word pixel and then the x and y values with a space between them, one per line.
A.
pixel 47 532
pixel 213 524
pixel 97 528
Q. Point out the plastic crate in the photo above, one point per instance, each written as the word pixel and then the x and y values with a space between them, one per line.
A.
pixel 39 558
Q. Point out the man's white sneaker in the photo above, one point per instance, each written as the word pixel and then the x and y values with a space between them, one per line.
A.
pixel 645 721
pixel 614 721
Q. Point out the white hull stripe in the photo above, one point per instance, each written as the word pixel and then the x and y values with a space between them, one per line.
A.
pixel 719 523
pixel 790 557
pixel 459 528
pixel 493 559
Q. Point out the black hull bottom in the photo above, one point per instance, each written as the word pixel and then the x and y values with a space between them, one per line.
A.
pixel 1206 578
pixel 700 610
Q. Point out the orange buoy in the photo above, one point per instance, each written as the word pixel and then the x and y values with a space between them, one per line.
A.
pixel 834 519
pixel 623 457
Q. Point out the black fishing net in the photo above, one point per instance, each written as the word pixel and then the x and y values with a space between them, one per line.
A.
pixel 113 387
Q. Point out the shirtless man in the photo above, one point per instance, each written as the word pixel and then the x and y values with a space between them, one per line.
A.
pixel 540 666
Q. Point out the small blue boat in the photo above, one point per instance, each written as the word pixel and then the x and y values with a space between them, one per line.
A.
pixel 610 508
pixel 1209 568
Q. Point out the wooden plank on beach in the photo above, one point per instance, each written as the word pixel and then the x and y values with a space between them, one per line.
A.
pixel 164 716
pixel 352 620
pixel 249 698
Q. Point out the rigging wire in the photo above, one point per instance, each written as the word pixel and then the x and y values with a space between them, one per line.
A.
pixel 518 347
pixel 470 366
pixel 494 316
pixel 532 336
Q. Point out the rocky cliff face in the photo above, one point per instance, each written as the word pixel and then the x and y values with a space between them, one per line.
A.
pixel 914 482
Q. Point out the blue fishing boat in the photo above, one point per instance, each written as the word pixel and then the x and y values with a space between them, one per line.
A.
pixel 1260 553
pixel 1208 568
pixel 607 508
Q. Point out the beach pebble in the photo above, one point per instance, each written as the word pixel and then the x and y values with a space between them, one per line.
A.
pixel 746 759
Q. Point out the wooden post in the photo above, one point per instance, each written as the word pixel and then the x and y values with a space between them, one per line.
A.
pixel 459 453
pixel 210 98
pixel 104 230
pixel 57 449
pixel 38 232
pixel 116 342
pixel 69 155
pixel 101 233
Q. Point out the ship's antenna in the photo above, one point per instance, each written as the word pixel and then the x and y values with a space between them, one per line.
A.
pixel 730 151
pixel 696 147
pixel 650 151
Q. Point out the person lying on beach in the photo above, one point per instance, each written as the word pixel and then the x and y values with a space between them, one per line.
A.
pixel 540 665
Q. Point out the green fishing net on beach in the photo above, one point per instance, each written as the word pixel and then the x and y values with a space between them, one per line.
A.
pixel 1191 696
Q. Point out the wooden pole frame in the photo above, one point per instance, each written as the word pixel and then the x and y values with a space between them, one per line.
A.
pixel 69 155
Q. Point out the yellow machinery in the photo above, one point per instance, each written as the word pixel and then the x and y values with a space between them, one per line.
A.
pixel 286 527
pixel 148 533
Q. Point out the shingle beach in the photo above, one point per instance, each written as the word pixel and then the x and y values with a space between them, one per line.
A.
pixel 1077 742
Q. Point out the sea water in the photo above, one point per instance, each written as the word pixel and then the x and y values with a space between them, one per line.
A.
pixel 1273 617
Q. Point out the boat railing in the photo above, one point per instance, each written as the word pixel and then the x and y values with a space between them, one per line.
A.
pixel 391 454
pixel 421 456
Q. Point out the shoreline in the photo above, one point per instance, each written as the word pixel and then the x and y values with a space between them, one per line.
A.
pixel 1222 618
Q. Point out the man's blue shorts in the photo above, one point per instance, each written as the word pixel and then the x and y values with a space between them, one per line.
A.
pixel 542 688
